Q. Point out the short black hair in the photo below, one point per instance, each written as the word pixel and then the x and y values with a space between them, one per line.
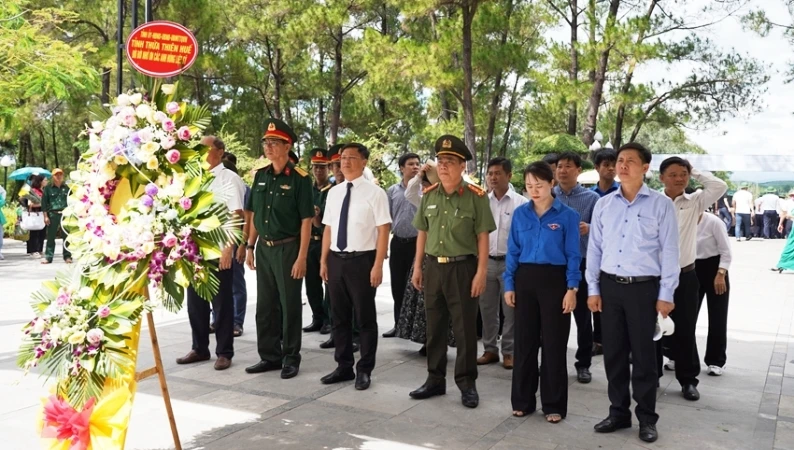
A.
pixel 675 160
pixel 572 157
pixel 362 149
pixel 645 154
pixel 405 157
pixel 231 157
pixel 605 155
pixel 541 170
pixel 551 158
pixel 507 166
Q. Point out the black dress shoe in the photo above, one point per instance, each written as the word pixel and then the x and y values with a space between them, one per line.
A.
pixel 391 333
pixel 428 390
pixel 423 351
pixel 289 372
pixel 597 349
pixel 338 376
pixel 583 375
pixel 362 381
pixel 648 432
pixel 470 398
pixel 329 343
pixel 312 327
pixel 326 329
pixel 690 392
pixel 263 366
pixel 611 424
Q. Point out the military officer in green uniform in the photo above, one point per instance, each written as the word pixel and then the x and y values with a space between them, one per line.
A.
pixel 454 220
pixel 52 203
pixel 314 284
pixel 278 245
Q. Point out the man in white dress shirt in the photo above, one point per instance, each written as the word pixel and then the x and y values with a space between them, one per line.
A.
pixel 355 241
pixel 229 185
pixel 503 202
pixel 681 347
pixel 770 205
pixel 743 212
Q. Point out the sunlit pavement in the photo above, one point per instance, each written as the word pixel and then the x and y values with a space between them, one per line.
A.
pixel 750 407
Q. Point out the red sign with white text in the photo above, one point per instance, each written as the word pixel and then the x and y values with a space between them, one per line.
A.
pixel 161 49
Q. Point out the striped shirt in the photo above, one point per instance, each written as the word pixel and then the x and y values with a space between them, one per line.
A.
pixel 581 200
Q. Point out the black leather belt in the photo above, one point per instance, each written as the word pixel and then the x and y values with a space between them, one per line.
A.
pixel 688 268
pixel 348 255
pixel 630 280
pixel 497 258
pixel 404 240
pixel 448 259
pixel 278 242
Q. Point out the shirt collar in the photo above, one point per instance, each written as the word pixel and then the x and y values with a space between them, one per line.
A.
pixel 357 182
pixel 615 186
pixel 574 190
pixel 644 191
pixel 508 195
pixel 555 205
pixel 217 169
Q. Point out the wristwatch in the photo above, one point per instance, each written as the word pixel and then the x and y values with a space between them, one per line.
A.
pixel 722 271
pixel 250 246
pixel 575 289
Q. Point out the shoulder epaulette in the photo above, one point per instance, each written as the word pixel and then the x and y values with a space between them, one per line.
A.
pixel 301 172
pixel 429 188
pixel 327 186
pixel 476 189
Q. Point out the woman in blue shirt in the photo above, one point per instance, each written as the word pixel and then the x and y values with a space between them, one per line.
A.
pixel 541 279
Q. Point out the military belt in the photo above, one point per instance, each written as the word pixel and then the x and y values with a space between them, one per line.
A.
pixel 278 242
pixel 448 259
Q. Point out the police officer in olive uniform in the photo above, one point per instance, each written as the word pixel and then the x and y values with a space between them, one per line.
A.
pixel 314 284
pixel 281 202
pixel 52 203
pixel 454 220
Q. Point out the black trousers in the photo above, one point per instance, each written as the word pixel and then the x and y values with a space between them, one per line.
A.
pixel 540 289
pixel 35 243
pixel 682 346
pixel 198 312
pixel 584 325
pixel 770 224
pixel 629 320
pixel 314 284
pixel 352 293
pixel 401 258
pixel 717 341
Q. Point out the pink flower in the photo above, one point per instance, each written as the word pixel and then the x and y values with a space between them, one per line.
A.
pixel 173 156
pixel 183 133
pixel 169 125
pixel 172 107
pixel 169 240
pixel 103 311
pixel 185 203
pixel 63 300
pixel 63 422
pixel 168 142
pixel 95 336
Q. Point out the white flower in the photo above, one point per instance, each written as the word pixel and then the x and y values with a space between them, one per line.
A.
pixel 39 326
pixel 171 214
pixel 143 111
pixel 160 116
pixel 136 98
pixel 97 126
pixel 168 89
pixel 85 292
pixel 95 336
pixel 55 333
pixel 78 337
pixel 152 163
pixel 123 100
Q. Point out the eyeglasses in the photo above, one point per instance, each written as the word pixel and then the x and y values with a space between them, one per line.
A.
pixel 272 142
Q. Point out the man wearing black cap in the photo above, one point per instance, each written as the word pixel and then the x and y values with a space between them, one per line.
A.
pixel 282 212
pixel 454 221
pixel 314 284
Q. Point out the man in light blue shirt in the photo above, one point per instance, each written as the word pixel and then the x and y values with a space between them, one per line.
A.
pixel 632 272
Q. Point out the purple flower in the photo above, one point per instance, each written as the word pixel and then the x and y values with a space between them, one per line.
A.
pixel 151 189
pixel 185 203
pixel 147 201
pixel 159 256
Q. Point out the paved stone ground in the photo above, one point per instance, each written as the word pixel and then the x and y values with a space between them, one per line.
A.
pixel 750 407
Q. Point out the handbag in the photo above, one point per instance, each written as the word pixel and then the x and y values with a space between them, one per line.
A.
pixel 32 221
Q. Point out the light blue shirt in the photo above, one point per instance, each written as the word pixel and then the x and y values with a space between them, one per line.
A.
pixel 552 238
pixel 634 239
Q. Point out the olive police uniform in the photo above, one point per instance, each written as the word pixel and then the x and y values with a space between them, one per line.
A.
pixel 314 284
pixel 452 222
pixel 52 203
pixel 279 203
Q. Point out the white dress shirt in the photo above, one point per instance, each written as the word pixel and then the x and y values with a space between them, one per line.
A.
pixel 502 211
pixel 688 208
pixel 744 201
pixel 770 202
pixel 369 209
pixel 713 240
pixel 229 186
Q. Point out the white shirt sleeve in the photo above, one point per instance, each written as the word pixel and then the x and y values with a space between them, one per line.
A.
pixel 413 191
pixel 237 193
pixel 723 244
pixel 380 207
pixel 713 188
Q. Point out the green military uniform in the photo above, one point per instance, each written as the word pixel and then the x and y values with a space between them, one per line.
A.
pixel 279 203
pixel 452 222
pixel 53 202
pixel 314 284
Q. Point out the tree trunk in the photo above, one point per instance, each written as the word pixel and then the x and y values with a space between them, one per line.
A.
pixel 493 114
pixel 510 110
pixel 594 103
pixel 336 99
pixel 469 134
pixel 54 142
pixel 592 26
pixel 573 74
pixel 617 139
pixel 274 55
pixel 43 145
pixel 105 96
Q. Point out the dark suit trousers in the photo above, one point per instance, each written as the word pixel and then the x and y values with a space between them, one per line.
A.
pixel 352 293
pixel 198 311
pixel 584 325
pixel 540 289
pixel 629 320
pixel 682 346
pixel 717 341
pixel 401 258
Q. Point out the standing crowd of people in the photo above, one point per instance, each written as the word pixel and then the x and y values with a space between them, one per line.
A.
pixel 618 257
